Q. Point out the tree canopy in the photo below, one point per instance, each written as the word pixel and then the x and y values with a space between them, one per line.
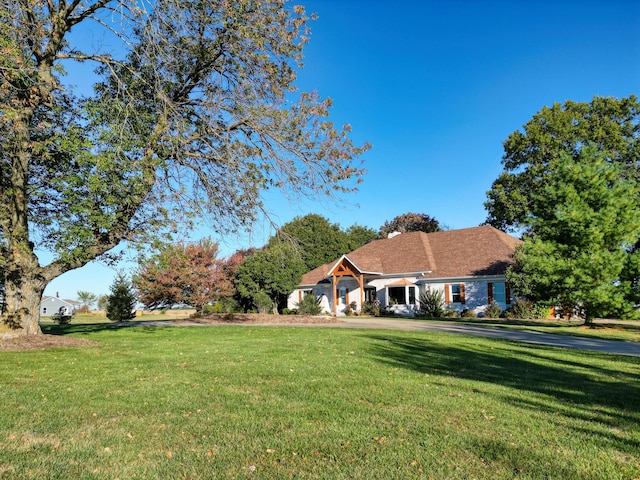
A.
pixel 265 278
pixel 610 125
pixel 318 241
pixel 183 273
pixel 410 222
pixel 583 221
pixel 570 184
pixel 193 111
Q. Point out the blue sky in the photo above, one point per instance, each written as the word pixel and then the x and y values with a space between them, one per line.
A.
pixel 436 87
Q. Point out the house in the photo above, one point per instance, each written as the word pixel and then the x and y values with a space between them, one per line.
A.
pixel 467 265
pixel 54 305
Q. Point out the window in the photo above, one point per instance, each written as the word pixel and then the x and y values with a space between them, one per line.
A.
pixel 456 296
pixel 499 293
pixel 397 296
pixel 454 293
pixel 412 295
pixel 370 294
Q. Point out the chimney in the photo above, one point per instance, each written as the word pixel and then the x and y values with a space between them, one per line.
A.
pixel 57 295
pixel 394 234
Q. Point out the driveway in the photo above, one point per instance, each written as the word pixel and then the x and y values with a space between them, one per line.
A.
pixel 618 347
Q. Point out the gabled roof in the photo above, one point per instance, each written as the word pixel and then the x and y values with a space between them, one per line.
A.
pixel 63 300
pixel 453 253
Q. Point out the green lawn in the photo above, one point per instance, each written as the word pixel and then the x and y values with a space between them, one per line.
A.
pixel 286 402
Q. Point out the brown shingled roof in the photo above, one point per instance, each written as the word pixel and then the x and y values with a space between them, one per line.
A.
pixel 453 253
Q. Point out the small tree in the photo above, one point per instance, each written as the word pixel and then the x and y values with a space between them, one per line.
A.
pixel 87 299
pixel 102 302
pixel 121 301
pixel 309 305
pixel 184 273
pixel 431 303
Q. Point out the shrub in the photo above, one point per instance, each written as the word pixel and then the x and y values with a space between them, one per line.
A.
pixel 61 319
pixel 309 305
pixel 371 308
pixel 526 309
pixel 467 313
pixel 493 311
pixel 224 305
pixel 431 303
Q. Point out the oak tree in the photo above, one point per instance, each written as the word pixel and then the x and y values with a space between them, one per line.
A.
pixel 610 125
pixel 194 111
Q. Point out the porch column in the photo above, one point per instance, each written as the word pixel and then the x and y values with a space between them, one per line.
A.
pixel 335 295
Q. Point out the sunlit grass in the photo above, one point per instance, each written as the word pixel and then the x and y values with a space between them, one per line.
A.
pixel 278 402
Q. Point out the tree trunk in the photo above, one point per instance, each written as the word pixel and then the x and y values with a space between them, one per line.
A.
pixel 22 296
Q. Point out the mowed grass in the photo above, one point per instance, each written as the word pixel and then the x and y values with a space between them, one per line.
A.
pixel 287 402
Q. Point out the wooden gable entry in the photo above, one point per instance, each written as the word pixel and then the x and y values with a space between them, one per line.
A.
pixel 345 268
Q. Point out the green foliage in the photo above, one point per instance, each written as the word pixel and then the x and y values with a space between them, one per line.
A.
pixel 524 309
pixel 492 311
pixel 610 125
pixel 265 278
pixel 61 319
pixel 431 303
pixel 467 313
pixel 87 299
pixel 357 236
pixel 193 113
pixel 224 305
pixel 583 221
pixel 371 308
pixel 309 305
pixel 410 222
pixel 317 241
pixel 121 300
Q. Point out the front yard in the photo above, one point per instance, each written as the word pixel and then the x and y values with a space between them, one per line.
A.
pixel 283 402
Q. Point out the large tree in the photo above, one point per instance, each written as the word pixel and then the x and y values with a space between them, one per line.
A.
pixel 410 222
pixel 265 278
pixel 610 125
pixel 583 219
pixel 580 252
pixel 183 273
pixel 315 239
pixel 193 111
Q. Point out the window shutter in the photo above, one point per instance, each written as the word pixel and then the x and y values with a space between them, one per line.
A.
pixel 490 292
pixel 507 293
pixel 462 296
pixel 447 294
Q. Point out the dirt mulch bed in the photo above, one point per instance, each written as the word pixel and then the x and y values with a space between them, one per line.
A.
pixel 42 342
pixel 45 342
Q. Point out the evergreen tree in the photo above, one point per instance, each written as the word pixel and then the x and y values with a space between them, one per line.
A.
pixel 121 301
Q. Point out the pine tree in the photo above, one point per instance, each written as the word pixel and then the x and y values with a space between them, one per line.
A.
pixel 121 301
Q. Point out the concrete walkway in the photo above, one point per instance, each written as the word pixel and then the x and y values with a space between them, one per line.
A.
pixel 565 341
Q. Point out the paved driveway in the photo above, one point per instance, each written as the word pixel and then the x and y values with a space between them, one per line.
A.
pixel 584 343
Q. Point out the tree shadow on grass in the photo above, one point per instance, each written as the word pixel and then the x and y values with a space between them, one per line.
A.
pixel 583 387
pixel 88 328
